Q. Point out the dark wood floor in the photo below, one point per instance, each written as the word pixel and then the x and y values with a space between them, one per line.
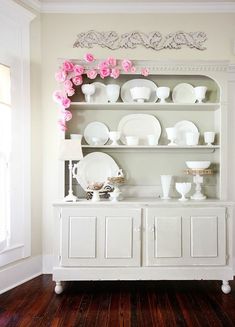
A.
pixel 168 303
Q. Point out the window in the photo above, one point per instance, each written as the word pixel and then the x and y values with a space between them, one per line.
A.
pixel 5 150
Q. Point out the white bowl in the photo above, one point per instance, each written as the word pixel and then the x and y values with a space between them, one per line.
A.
pixel 132 140
pixel 140 93
pixel 183 188
pixel 198 164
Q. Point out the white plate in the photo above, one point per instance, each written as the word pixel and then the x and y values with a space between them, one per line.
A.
pixel 100 95
pixel 183 93
pixel 97 130
pixel 183 127
pixel 126 94
pixel 95 167
pixel 139 125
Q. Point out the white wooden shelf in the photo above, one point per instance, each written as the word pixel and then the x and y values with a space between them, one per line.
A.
pixel 146 106
pixel 153 148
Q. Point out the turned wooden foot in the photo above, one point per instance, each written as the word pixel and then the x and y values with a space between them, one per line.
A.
pixel 226 287
pixel 58 288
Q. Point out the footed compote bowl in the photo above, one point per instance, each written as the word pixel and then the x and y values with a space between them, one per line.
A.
pixel 95 187
pixel 115 182
pixel 183 189
pixel 114 137
pixel 88 90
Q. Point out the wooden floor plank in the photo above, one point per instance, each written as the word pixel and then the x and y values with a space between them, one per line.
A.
pixel 118 304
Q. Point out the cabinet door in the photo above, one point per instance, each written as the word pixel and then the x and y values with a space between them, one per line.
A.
pixel 122 237
pixel 186 236
pixel 80 239
pixel 208 236
pixel 164 237
pixel 100 237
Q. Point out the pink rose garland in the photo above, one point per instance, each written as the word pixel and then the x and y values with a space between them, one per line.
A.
pixel 92 73
pixel 77 80
pixel 145 71
pixel 88 57
pixel 68 66
pixel 126 65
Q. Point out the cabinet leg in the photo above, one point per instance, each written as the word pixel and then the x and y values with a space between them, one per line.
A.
pixel 58 288
pixel 226 287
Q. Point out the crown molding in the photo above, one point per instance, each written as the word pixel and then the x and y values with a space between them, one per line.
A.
pixel 34 4
pixel 129 7
pixel 14 11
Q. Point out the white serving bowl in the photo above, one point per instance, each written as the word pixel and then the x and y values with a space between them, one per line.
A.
pixel 183 189
pixel 198 164
pixel 140 93
pixel 132 140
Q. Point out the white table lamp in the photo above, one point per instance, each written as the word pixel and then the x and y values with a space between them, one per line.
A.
pixel 70 150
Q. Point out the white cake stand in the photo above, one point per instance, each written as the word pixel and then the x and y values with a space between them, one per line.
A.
pixel 198 180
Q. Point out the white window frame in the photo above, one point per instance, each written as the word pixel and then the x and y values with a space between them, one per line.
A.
pixel 16 55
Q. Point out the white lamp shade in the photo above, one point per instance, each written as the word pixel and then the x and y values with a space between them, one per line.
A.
pixel 70 150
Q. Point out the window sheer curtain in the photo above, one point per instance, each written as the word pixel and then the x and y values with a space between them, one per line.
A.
pixel 5 150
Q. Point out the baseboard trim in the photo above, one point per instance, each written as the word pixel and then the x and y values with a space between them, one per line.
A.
pixel 19 273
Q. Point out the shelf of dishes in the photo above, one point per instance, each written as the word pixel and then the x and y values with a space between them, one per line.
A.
pixel 147 105
pixel 143 91
pixel 144 130
pixel 155 147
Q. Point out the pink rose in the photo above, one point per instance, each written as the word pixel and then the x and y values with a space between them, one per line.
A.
pixel 126 65
pixel 68 66
pixel 145 71
pixel 68 84
pixel 91 74
pixel 57 96
pixel 65 102
pixel 77 80
pixel 115 72
pixel 62 125
pixel 88 57
pixel 133 69
pixel 60 76
pixel 78 69
pixel 70 92
pixel 67 115
pixel 111 61
pixel 103 65
pixel 105 72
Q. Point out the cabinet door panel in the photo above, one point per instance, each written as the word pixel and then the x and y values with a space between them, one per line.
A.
pixel 82 237
pixel 119 237
pixel 168 237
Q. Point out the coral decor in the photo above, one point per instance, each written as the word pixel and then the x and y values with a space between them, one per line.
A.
pixel 71 75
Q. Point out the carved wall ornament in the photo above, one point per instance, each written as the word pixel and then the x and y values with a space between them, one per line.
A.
pixel 153 40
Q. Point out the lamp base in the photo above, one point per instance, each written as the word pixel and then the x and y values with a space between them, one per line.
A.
pixel 70 198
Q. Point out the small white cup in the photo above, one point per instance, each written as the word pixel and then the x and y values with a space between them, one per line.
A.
pixel 200 93
pixel 192 138
pixel 209 138
pixel 163 93
pixel 171 135
pixel 112 91
pixel 152 139
pixel 76 136
pixel 132 140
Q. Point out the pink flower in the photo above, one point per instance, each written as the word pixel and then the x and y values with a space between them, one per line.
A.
pixel 88 57
pixel 77 80
pixel 67 115
pixel 57 96
pixel 91 74
pixel 62 125
pixel 70 92
pixel 115 72
pixel 68 84
pixel 105 72
pixel 111 61
pixel 126 65
pixel 133 69
pixel 145 71
pixel 68 66
pixel 78 69
pixel 65 102
pixel 103 65
pixel 60 76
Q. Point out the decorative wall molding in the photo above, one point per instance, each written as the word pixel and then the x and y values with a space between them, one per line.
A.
pixel 154 40
pixel 34 4
pixel 96 7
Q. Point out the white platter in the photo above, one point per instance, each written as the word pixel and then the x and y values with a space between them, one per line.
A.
pixel 95 167
pixel 183 127
pixel 100 95
pixel 183 93
pixel 126 94
pixel 97 130
pixel 139 125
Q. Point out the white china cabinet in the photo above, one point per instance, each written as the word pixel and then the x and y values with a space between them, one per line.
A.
pixel 142 236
